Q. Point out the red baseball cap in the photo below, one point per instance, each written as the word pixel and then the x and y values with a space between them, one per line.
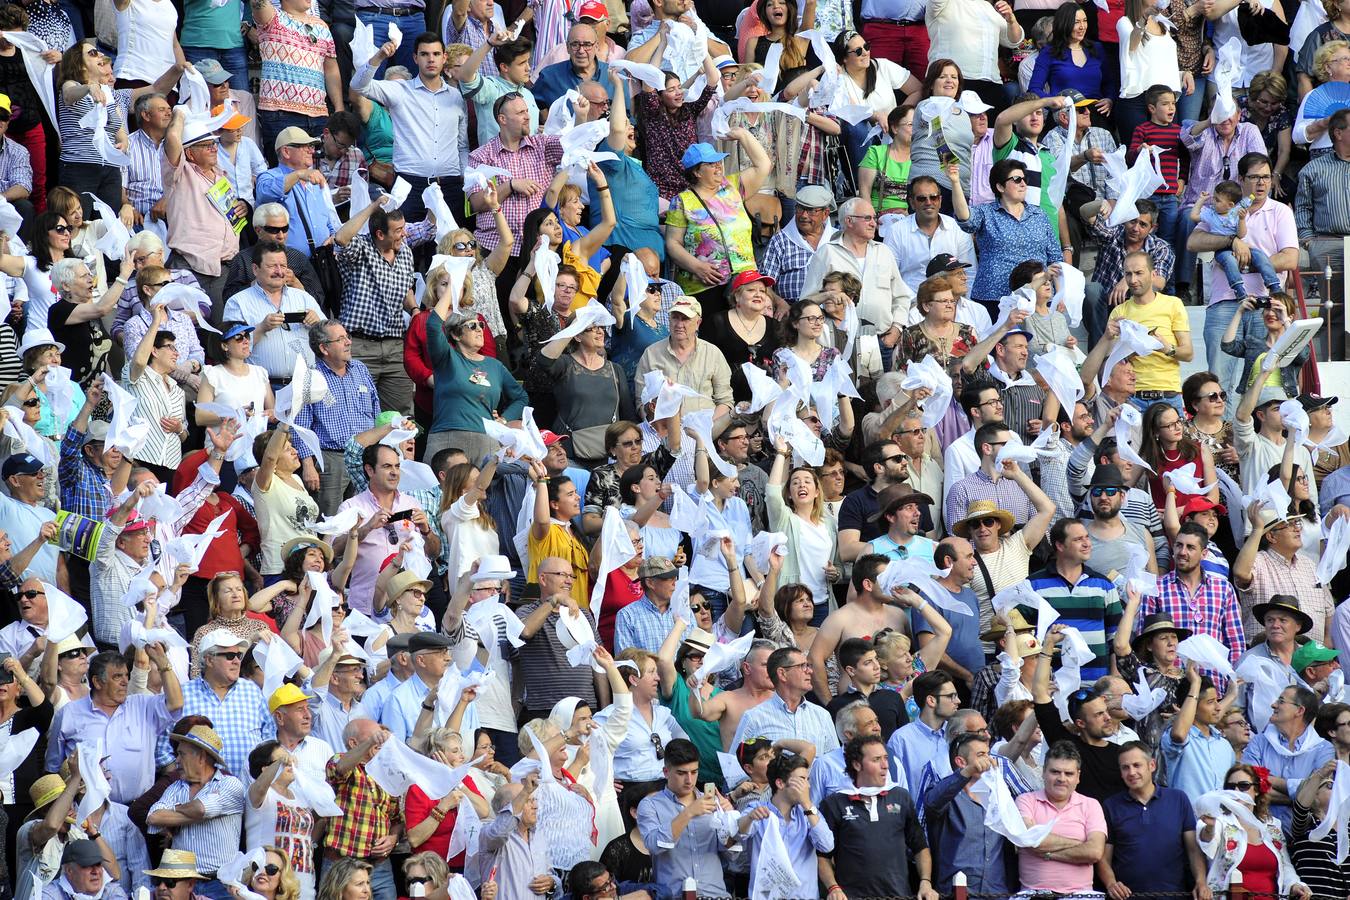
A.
pixel 1202 504
pixel 549 437
pixel 134 521
pixel 750 276
pixel 592 9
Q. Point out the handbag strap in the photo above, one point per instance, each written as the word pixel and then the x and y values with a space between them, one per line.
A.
pixel 721 235
pixel 309 235
pixel 984 573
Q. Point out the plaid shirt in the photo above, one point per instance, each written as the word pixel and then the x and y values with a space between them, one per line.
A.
pixel 1213 610
pixel 241 719
pixel 536 159
pixel 342 170
pixel 373 288
pixel 1111 257
pixel 785 260
pixel 354 410
pixel 642 625
pixel 1092 175
pixel 84 487
pixel 1272 574
pixel 370 812
pixel 982 690
pixel 16 167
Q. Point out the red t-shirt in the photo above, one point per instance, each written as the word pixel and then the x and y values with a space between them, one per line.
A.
pixel 620 590
pixel 418 806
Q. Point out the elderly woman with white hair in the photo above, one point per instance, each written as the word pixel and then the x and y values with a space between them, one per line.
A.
pixel 146 249
pixel 75 319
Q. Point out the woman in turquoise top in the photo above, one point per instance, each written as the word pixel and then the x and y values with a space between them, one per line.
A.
pixel 634 193
pixel 469 386
pixel 679 699
pixel 636 329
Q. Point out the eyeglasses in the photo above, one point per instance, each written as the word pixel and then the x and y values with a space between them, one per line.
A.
pixel 61 229
pixel 806 663
pixel 1215 396
pixel 860 50
pixel 231 655
pixel 658 746
pixel 276 229
pixel 29 595
pixel 309 147
pixel 950 695
pixel 812 320
pixel 32 402
pixel 609 887
pixel 1105 491
pixel 272 869
pixel 1175 423
pixel 1239 785
pixel 169 883
pixel 927 198
pixel 996 401
pixel 630 444
pixel 698 607
pixel 1301 478
pixel 466 245
pixel 1257 177
pixel 581 45
pixel 987 522
pixel 868 218
pixel 1016 179
pixel 560 575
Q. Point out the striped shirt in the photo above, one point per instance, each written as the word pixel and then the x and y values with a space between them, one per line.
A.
pixel 544 668
pixel 145 175
pixel 160 397
pixel 77 142
pixel 1322 206
pixel 1091 604
pixel 277 349
pixel 16 167
pixel 216 836
pixel 1166 137
pixel 979 486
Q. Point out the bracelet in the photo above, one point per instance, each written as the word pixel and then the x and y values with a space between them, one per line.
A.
pixel 428 708
pixel 604 189
pixel 164 670
pixel 437 815
pixel 922 880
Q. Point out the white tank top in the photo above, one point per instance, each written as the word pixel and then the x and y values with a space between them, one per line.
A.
pixel 145 31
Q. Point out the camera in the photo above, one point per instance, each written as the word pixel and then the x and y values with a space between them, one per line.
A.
pixel 1261 303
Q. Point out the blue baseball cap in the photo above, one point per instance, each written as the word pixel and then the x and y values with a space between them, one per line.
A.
pixel 700 153
pixel 20 464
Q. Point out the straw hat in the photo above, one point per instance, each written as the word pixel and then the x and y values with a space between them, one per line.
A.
pixel 981 509
pixel 177 864
pixel 204 738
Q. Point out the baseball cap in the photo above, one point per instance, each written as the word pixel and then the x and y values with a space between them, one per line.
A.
pixel 657 567
pixel 285 696
pixel 1310 654
pixel 815 196
pixel 212 71
pixel 1271 394
pixel 944 262
pixel 219 638
pixel 81 853
pixel 20 464
pixel 750 276
pixel 592 9
pixel 688 307
pixel 1311 402
pixel 293 136
pixel 4 103
pixel 238 120
pixel 97 432
pixel 1077 97
pixel 550 438
pixel 700 153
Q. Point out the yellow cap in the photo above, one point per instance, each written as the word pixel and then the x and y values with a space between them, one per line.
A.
pixel 285 696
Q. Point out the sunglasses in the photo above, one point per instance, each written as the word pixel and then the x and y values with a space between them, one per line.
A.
pixel 276 229
pixel 31 402
pixel 653 289
pixel 61 229
pixel 231 655
pixel 860 50
pixel 987 522
pixel 72 654
pixel 4 116
pixel 466 245
pixel 631 444
pixel 1105 491
pixel 698 607
pixel 169 883
pixel 1016 179
pixel 658 746
pixel 1214 396
pixel 270 870
pixel 472 326
pixel 29 595
pixel 419 879
pixel 927 198
pixel 1239 785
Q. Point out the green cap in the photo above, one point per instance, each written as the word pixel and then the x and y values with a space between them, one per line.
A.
pixel 389 417
pixel 1310 654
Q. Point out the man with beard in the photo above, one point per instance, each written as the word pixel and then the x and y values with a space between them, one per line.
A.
pixel 1097 757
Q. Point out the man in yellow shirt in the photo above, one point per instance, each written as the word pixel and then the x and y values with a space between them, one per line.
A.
pixel 1157 375
pixel 556 504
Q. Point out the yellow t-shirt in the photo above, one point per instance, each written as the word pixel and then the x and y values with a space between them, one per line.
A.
pixel 1157 371
pixel 561 542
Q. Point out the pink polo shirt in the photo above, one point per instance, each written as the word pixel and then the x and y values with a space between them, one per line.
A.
pixel 1080 818
pixel 197 230
pixel 376 548
pixel 1270 229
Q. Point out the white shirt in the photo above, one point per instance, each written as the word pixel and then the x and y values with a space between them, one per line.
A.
pixel 885 298
pixel 1155 62
pixel 959 460
pixel 914 250
pixel 891 77
pixel 968 32
pixel 431 128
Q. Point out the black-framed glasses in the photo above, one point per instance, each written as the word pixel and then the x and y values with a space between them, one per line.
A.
pixel 1105 491
pixel 996 401
pixel 812 320
pixel 4 116
pixel 461 246
pixel 581 45
pixel 609 887
pixel 276 229
pixel 61 229
pixel 169 883
pixel 1239 785
pixel 987 522
pixel 32 402
pixel 653 289
pixel 271 870
pixel 158 284
pixel 29 595
pixel 659 747
pixel 896 458
pixel 861 50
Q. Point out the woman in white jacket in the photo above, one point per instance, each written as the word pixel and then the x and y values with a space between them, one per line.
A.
pixel 591 745
pixel 1237 831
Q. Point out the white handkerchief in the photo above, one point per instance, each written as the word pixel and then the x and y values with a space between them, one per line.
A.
pixel 231 873
pixel 115 234
pixel 724 657
pixel 279 662
pixel 398 193
pixel 1126 433
pixel 39 70
pixel 1337 546
pixel 1070 293
pixel 434 200
pixel 395 768
pixel 363 43
pixel 96 121
pixel 635 280
pixel 588 316
pixel 416 476
pixel 64 615
pixel 763 389
pixel 700 423
pixel 96 788
pixel 764 543
pixel 616 549
pixel 1185 480
pixel 395 35
pixel 343 521
pixel 16 749
pixel 927 373
pixel 476 177
pixel 1206 651
pixel 1017 452
pixel 1144 700
pixel 1057 368
pixel 1001 813
pixel 1338 813
pixel 649 75
pixel 670 399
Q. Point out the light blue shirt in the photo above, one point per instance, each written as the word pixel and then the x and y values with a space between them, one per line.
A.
pixel 23 522
pixel 431 128
pixel 1198 765
pixel 694 855
pixel 404 706
pixel 1293 763
pixel 635 758
pixel 828 775
pixel 247 165
pixel 128 847
pixel 241 719
pixel 276 350
pixel 773 720
pixel 802 840
pixel 303 200
pixel 330 718
pixel 912 746
pixel 126 734
pixel 374 699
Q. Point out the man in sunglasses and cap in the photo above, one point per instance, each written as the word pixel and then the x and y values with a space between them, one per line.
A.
pixel 1110 533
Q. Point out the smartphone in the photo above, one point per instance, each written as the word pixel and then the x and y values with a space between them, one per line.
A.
pixel 401 516
pixel 294 318
pixel 710 789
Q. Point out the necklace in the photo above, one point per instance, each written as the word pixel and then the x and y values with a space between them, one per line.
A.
pixel 749 327
pixel 1171 455
pixel 943 344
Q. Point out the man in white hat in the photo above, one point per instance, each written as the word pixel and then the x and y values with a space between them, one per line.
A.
pixel 234 704
pixel 204 808
pixel 485 623
pixel 202 239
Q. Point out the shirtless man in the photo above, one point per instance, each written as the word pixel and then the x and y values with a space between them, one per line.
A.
pixel 871 611
pixel 727 707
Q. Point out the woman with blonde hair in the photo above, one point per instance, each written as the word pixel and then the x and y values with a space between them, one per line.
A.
pixel 580 247
pixel 427 869
pixel 431 822
pixel 275 879
pixel 1331 69
pixel 283 507
pixel 797 508
pixel 346 878
pixel 900 665
pixel 470 530
pixel 227 603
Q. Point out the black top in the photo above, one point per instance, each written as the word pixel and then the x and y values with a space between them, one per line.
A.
pixel 625 861
pixel 871 858
pixel 717 330
pixel 1101 772
pixel 888 705
pixel 32 767
pixel 87 344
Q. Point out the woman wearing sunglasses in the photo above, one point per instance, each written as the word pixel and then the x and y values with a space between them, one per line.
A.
pixel 1205 401
pixel 637 326
pixel 1165 447
pixel 227 604
pixel 187 374
pixel 1239 833
pixel 1003 241
pixel 234 381
pixel 1315 859
pixel 427 870
pixel 41 352
pixel 276 878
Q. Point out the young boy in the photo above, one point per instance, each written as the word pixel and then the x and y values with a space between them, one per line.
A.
pixel 1228 217
pixel 858 659
pixel 1164 132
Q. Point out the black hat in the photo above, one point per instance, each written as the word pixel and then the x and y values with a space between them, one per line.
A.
pixel 1311 402
pixel 1158 623
pixel 896 496
pixel 1285 604
pixel 81 853
pixel 428 640
pixel 1107 475
pixel 21 464
pixel 398 643
pixel 944 262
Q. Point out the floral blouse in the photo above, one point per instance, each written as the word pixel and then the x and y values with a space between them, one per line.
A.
pixel 914 345
pixel 1220 440
pixel 827 356
pixel 717 229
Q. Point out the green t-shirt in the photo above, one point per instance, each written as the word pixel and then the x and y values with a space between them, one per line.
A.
pixel 890 190
pixel 707 737
pixel 1040 167
pixel 207 25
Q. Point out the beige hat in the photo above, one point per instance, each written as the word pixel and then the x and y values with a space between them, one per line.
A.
pixel 177 864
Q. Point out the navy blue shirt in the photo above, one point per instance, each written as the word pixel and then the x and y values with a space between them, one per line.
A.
pixel 1147 853
pixel 960 842
pixel 964 646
